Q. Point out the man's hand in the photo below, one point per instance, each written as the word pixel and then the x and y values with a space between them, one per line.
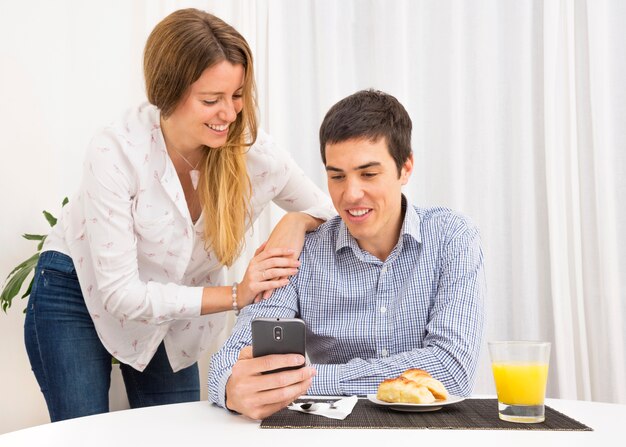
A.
pixel 259 395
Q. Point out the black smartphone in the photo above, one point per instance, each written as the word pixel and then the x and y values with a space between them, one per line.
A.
pixel 278 336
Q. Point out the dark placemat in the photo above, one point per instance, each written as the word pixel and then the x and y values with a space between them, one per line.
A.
pixel 471 414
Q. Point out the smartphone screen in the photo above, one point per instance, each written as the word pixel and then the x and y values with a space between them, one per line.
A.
pixel 278 336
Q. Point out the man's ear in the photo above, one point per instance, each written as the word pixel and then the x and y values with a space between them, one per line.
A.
pixel 407 170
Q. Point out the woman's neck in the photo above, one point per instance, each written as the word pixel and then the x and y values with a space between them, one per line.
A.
pixel 176 144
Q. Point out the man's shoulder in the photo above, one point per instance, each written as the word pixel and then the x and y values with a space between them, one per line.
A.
pixel 444 220
pixel 324 237
pixel 325 232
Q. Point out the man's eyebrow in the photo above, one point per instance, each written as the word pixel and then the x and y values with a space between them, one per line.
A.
pixel 368 165
pixel 358 168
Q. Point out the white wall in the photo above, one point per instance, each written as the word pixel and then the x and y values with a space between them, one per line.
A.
pixel 53 97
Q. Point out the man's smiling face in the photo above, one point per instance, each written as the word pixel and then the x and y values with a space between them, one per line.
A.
pixel 365 187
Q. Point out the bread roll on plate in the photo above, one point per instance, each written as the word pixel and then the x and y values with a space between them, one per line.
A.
pixel 412 373
pixel 414 386
pixel 434 386
pixel 404 390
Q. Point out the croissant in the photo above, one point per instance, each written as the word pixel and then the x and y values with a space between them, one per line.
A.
pixel 404 390
pixel 433 385
pixel 412 373
pixel 412 386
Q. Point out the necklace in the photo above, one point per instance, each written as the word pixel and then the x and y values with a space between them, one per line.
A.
pixel 193 173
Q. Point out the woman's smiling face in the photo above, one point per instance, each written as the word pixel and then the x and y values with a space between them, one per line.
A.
pixel 211 104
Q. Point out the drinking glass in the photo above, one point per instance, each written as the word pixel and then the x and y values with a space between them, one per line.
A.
pixel 520 371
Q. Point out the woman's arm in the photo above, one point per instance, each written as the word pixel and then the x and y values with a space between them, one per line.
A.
pixel 306 205
pixel 269 269
pixel 277 177
pixel 289 232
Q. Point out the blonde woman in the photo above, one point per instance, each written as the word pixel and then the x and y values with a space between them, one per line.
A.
pixel 135 266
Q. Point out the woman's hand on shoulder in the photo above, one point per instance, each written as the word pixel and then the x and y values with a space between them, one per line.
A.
pixel 276 259
pixel 289 233
pixel 269 269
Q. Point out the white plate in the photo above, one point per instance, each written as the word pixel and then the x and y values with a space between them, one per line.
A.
pixel 416 407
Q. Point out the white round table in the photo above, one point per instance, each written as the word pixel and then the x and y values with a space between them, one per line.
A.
pixel 202 424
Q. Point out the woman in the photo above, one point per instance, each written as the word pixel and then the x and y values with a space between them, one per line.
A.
pixel 134 267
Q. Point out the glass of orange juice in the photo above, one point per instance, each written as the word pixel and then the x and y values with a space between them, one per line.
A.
pixel 520 370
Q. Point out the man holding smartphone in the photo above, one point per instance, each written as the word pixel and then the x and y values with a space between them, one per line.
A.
pixel 383 287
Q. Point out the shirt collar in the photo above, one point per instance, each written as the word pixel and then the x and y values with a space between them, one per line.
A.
pixel 410 227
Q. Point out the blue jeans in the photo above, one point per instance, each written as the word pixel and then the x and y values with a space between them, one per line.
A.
pixel 72 366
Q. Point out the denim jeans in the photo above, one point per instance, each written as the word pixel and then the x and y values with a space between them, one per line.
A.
pixel 72 366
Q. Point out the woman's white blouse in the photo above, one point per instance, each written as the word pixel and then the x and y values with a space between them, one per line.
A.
pixel 140 260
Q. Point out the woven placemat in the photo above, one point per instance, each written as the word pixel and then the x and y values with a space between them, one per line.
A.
pixel 471 414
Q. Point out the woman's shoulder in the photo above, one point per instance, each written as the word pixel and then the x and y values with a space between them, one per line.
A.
pixel 130 147
pixel 264 144
pixel 134 128
pixel 263 157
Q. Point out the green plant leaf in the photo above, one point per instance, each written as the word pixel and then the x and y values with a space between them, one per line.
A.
pixel 50 218
pixel 33 237
pixel 34 257
pixel 30 287
pixel 40 245
pixel 16 279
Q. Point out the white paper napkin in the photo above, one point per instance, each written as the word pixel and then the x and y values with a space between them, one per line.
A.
pixel 343 407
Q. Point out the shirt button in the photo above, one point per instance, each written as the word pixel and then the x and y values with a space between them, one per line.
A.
pixel 384 353
pixel 384 269
pixel 383 310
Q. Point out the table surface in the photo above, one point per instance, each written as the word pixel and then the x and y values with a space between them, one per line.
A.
pixel 200 423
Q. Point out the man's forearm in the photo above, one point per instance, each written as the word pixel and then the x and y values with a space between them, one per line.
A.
pixel 361 377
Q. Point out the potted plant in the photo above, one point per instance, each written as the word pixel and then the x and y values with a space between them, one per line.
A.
pixel 15 279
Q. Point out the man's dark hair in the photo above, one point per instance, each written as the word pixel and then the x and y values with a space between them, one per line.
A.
pixel 369 114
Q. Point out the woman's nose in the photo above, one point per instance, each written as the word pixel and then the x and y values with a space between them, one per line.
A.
pixel 228 112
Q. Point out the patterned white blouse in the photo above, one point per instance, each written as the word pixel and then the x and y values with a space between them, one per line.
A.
pixel 139 258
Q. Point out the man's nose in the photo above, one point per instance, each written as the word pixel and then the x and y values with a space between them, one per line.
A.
pixel 354 191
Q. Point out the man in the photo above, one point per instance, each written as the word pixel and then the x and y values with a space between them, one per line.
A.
pixel 383 287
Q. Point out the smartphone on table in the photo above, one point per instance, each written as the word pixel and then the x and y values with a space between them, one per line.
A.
pixel 278 336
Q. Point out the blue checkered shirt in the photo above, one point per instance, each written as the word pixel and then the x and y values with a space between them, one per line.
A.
pixel 368 320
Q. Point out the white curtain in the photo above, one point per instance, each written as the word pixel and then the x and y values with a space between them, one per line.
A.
pixel 584 146
pixel 517 110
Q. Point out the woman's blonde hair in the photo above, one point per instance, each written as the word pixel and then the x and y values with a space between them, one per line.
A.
pixel 178 50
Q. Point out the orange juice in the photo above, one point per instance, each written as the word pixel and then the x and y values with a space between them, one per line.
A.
pixel 520 383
